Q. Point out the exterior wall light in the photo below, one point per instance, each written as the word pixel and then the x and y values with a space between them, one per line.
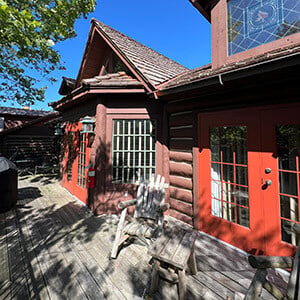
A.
pixel 88 124
pixel 58 129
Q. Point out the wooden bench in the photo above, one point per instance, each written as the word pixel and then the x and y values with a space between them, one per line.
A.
pixel 172 252
pixel 263 263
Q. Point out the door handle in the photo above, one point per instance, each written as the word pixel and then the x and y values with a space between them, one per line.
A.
pixel 268 182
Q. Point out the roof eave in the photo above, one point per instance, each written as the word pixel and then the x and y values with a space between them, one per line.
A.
pixel 201 9
pixel 81 93
pixel 223 77
pixel 45 118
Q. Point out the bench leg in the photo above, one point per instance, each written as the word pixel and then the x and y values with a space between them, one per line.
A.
pixel 256 285
pixel 181 285
pixel 192 263
pixel 154 276
pixel 118 237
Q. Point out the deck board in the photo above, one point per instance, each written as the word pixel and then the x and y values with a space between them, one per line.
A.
pixel 53 247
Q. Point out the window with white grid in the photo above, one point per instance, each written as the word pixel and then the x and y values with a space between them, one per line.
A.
pixel 133 150
pixel 81 160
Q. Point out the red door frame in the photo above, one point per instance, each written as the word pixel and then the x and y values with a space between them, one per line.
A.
pixel 72 186
pixel 263 236
pixel 284 115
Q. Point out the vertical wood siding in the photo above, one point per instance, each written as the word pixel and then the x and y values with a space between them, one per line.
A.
pixel 181 165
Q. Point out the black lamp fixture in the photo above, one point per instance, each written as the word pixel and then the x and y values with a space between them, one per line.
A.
pixel 58 129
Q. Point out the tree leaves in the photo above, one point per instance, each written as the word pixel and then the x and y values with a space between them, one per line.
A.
pixel 28 31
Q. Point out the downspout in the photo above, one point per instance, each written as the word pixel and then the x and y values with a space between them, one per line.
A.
pixel 220 79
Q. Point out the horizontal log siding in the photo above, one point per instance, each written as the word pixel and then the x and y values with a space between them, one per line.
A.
pixel 36 148
pixel 181 182
pixel 181 165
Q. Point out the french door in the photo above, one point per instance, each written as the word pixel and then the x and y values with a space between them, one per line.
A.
pixel 249 172
pixel 76 160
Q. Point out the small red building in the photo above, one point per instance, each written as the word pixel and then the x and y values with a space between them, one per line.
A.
pixel 226 136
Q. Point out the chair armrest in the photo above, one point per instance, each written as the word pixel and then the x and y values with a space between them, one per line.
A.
pixel 263 262
pixel 127 203
pixel 164 207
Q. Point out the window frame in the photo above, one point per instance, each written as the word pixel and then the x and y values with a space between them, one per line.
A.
pixel 136 113
pixel 82 155
pixel 277 22
pixel 132 149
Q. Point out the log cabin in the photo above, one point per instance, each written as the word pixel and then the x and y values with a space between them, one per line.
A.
pixel 226 135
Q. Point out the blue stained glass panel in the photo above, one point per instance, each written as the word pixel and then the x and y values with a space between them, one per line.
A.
pixel 256 22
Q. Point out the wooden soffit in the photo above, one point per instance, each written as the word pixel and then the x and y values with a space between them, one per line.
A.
pixel 204 7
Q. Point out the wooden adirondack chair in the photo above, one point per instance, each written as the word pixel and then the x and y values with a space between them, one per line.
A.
pixel 148 218
pixel 259 281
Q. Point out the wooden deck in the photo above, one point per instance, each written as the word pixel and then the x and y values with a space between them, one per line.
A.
pixel 52 247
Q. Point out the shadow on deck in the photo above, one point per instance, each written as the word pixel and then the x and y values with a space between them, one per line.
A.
pixel 53 247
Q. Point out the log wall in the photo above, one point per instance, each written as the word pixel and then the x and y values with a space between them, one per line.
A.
pixel 181 144
pixel 38 149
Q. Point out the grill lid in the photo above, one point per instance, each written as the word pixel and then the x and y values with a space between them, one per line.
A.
pixel 6 164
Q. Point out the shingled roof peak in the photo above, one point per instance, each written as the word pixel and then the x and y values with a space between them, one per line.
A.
pixel 154 66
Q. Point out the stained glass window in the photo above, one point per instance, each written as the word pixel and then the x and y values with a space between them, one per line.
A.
pixel 255 22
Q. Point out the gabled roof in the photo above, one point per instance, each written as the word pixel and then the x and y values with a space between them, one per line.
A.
pixel 107 84
pixel 22 112
pixel 156 67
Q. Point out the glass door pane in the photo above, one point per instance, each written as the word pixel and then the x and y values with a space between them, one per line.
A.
pixel 288 150
pixel 229 174
pixel 70 156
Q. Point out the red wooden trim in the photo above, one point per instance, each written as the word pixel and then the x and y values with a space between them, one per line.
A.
pixel 81 95
pixel 165 152
pixel 127 111
pixel 195 189
pixel 85 54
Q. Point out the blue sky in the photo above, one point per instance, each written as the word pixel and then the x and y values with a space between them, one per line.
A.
pixel 174 28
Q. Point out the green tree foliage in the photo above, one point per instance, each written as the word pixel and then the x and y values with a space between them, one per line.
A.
pixel 28 31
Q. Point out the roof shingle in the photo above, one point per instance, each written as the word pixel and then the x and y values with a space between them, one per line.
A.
pixel 22 112
pixel 207 71
pixel 156 67
pixel 119 80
